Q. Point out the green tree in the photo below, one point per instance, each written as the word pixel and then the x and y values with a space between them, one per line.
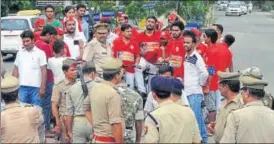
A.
pixel 15 6
pixel 135 10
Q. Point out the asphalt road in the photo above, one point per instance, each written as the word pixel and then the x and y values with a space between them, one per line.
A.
pixel 254 45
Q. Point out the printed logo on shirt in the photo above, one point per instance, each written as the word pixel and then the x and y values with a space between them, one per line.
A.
pixel 125 56
pixel 192 59
pixel 150 46
pixel 175 61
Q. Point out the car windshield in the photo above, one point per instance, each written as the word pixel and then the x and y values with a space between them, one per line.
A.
pixel 234 6
pixel 14 24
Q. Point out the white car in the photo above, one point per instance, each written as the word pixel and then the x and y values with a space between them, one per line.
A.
pixel 243 7
pixel 11 28
pixel 222 5
pixel 233 9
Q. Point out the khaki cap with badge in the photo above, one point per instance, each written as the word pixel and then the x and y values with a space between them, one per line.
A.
pixel 254 72
pixel 228 76
pixel 253 83
pixel 9 84
pixel 69 62
pixel 112 65
pixel 101 28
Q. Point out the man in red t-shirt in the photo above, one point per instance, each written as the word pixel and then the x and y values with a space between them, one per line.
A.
pixel 60 36
pixel 224 54
pixel 212 98
pixel 128 51
pixel 175 49
pixel 200 47
pixel 149 43
pixel 49 34
pixel 123 19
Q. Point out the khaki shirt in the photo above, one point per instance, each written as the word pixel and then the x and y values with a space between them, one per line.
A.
pixel 75 98
pixel 59 94
pixel 106 107
pixel 181 102
pixel 86 105
pixel 251 124
pixel 225 109
pixel 20 124
pixel 177 124
pixel 97 53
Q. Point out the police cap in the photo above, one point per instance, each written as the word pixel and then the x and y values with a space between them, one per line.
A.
pixel 9 84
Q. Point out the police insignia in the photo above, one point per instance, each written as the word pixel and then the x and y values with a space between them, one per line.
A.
pixel 145 130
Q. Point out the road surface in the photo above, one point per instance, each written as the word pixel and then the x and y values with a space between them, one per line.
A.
pixel 254 45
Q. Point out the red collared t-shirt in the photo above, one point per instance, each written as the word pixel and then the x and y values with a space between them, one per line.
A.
pixel 176 54
pixel 211 60
pixel 47 48
pixel 127 52
pixel 224 56
pixel 150 44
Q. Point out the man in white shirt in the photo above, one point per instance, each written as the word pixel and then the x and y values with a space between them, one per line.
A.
pixel 75 40
pixel 194 78
pixel 55 63
pixel 30 68
pixel 167 72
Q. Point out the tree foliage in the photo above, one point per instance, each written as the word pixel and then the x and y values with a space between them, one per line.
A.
pixel 135 10
pixel 15 6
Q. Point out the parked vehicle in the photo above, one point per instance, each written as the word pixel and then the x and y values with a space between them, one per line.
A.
pixel 233 9
pixel 222 5
pixel 11 28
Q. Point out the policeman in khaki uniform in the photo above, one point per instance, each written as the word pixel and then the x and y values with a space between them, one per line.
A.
pixel 170 122
pixel 106 105
pixel 254 122
pixel 77 123
pixel 59 94
pixel 98 50
pixel 229 86
pixel 256 73
pixel 133 113
pixel 19 123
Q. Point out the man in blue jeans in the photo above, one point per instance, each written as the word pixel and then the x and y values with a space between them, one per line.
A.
pixel 194 78
pixel 49 33
pixel 30 68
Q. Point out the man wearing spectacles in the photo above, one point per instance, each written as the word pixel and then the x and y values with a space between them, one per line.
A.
pixel 98 50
